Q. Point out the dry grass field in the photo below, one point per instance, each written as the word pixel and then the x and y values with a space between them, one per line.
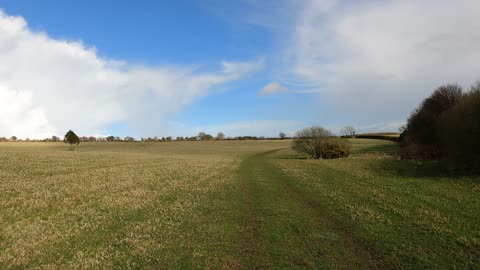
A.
pixel 119 205
pixel 230 205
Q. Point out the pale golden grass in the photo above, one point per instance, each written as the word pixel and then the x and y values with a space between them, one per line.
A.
pixel 116 205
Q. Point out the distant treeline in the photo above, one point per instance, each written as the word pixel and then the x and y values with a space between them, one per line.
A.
pixel 390 136
pixel 148 139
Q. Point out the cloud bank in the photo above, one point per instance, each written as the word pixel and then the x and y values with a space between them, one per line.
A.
pixel 375 60
pixel 269 128
pixel 48 86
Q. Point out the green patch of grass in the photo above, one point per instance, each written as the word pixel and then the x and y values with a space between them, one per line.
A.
pixel 285 229
pixel 416 216
pixel 360 146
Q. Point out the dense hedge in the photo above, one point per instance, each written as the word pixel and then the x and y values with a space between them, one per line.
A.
pixel 422 125
pixel 459 132
pixel 446 126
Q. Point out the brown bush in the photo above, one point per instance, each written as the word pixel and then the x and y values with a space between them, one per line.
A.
pixel 335 149
pixel 318 142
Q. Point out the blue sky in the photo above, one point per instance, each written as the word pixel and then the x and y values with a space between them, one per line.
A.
pixel 161 68
pixel 151 32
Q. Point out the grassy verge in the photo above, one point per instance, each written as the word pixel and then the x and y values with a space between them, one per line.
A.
pixel 416 215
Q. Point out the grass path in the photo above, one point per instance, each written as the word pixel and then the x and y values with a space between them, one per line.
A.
pixel 283 227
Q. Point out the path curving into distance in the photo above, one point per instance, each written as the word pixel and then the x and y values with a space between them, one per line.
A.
pixel 283 227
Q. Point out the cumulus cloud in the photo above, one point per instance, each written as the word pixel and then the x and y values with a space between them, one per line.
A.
pixel 19 116
pixel 48 86
pixel 272 88
pixel 379 58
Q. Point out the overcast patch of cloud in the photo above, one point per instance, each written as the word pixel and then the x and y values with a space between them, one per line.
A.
pixel 48 86
pixel 393 126
pixel 272 89
pixel 376 60
pixel 267 128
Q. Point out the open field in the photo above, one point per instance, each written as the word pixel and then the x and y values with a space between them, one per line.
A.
pixel 362 146
pixel 231 205
pixel 393 136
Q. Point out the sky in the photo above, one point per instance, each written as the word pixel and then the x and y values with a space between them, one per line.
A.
pixel 244 68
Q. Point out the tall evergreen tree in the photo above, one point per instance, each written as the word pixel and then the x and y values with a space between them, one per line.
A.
pixel 71 138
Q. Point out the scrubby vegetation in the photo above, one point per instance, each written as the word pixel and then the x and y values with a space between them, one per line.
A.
pixel 318 142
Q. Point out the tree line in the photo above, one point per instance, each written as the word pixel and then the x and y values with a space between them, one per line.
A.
pixel 445 126
pixel 201 136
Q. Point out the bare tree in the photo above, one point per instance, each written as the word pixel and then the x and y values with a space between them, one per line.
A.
pixel 282 135
pixel 129 139
pixel 318 142
pixel 204 136
pixel 348 131
pixel 220 136
pixel 201 135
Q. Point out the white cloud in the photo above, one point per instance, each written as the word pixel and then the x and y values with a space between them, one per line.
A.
pixel 19 116
pixel 272 88
pixel 48 86
pixel 377 59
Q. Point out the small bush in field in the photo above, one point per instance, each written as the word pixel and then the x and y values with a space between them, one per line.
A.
pixel 335 149
pixel 317 142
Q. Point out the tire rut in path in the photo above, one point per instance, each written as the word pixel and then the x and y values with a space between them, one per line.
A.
pixel 251 248
pixel 367 255
pixel 254 246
